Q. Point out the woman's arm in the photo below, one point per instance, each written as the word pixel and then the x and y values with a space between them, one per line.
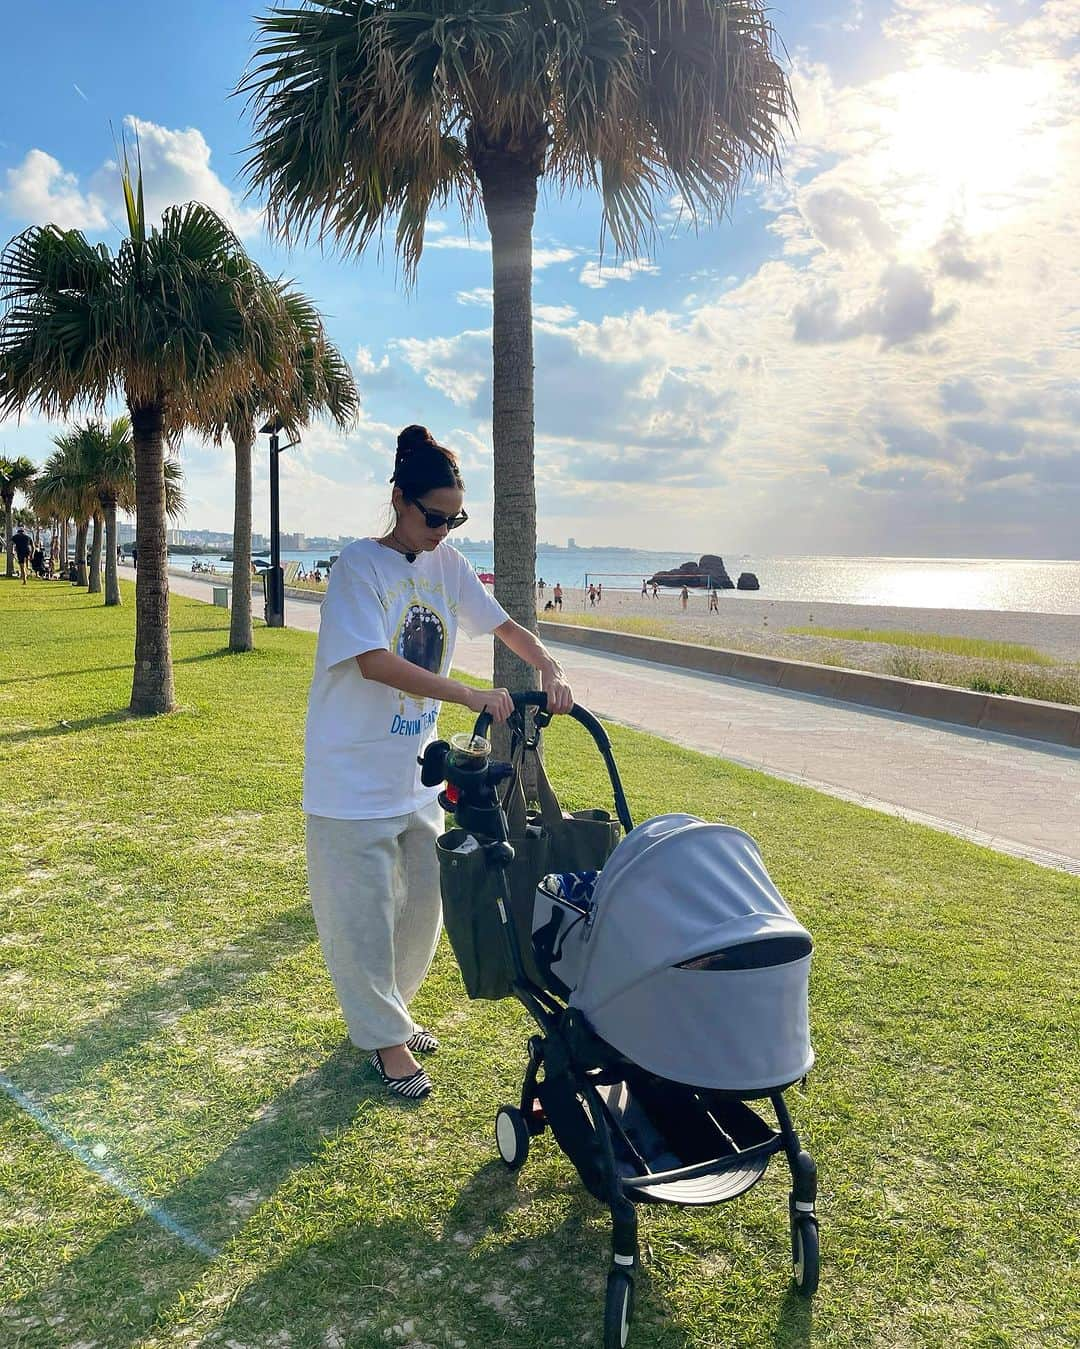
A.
pixel 532 650
pixel 385 668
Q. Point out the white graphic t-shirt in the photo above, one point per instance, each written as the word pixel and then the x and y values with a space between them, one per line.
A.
pixel 363 738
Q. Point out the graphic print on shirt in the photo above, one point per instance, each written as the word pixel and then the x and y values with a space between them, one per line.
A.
pixel 421 638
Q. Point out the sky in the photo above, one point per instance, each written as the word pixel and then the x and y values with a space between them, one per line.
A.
pixel 877 352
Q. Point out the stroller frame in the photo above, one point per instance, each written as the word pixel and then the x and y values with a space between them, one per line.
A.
pixel 589 1091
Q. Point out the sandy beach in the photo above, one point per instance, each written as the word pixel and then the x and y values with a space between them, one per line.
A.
pixel 751 620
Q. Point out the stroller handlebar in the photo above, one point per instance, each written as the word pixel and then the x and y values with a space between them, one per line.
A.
pixel 582 715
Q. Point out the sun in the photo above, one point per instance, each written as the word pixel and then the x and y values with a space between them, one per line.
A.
pixel 970 147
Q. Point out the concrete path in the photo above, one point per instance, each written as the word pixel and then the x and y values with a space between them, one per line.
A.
pixel 1018 796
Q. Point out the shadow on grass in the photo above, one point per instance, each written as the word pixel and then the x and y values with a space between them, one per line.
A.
pixel 368 1280
pixel 488 1288
pixel 114 1292
pixel 65 674
pixel 54 732
pixel 795 1324
pixel 139 1016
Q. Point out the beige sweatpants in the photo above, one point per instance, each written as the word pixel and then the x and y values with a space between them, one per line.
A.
pixel 375 892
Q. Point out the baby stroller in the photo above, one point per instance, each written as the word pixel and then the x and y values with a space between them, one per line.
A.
pixel 672 991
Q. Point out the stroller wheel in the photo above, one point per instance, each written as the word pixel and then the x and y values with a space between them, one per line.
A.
pixel 806 1254
pixel 618 1309
pixel 511 1136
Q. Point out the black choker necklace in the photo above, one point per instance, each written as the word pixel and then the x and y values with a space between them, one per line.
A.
pixel 396 545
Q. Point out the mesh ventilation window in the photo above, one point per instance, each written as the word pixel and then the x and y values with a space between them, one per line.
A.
pixel 753 955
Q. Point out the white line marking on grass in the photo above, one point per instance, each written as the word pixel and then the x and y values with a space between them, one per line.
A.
pixel 106 1173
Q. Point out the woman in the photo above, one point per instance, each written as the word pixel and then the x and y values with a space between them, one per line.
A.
pixel 386 642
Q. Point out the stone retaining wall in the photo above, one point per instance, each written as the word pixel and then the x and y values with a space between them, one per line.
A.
pixel 1053 722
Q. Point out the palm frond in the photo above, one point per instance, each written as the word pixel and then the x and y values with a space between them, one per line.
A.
pixel 368 113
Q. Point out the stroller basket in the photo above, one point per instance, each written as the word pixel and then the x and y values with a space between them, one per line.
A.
pixel 678 1147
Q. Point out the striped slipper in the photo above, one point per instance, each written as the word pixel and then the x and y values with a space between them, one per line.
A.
pixel 412 1088
pixel 422 1041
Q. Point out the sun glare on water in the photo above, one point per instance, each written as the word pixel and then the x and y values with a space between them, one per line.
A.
pixel 969 147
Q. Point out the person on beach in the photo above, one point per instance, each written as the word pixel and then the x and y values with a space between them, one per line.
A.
pixel 23 545
pixel 655 590
pixel 644 587
pixel 592 597
pixel 714 605
pixel 556 595
pixel 386 643
pixel 599 591
pixel 540 587
pixel 684 596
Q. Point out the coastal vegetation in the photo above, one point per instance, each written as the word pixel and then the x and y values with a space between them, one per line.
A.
pixel 190 333
pixel 366 116
pixel 165 1007
pixel 933 641
pixel 321 385
pixel 963 662
pixel 16 475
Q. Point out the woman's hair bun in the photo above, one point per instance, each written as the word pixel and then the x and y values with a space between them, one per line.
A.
pixel 414 438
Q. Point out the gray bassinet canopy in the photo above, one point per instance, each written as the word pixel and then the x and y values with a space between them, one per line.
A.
pixel 693 965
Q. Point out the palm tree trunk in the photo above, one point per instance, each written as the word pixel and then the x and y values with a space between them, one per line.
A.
pixel 508 182
pixel 152 686
pixel 94 587
pixel 112 583
pixel 8 545
pixel 240 634
pixel 81 531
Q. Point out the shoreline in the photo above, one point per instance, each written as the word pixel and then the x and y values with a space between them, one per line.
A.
pixel 747 616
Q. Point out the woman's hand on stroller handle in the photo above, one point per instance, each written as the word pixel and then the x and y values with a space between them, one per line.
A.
pixel 491 704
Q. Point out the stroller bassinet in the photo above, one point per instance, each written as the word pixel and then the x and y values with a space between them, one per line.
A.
pixel 673 990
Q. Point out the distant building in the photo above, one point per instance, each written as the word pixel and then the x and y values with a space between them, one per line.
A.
pixel 296 542
pixel 571 543
pixel 258 543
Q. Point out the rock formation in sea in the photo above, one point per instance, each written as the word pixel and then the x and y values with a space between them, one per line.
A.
pixel 708 571
pixel 747 581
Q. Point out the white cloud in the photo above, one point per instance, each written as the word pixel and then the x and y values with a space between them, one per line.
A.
pixel 595 275
pixel 458 241
pixel 176 170
pixel 479 295
pixel 40 192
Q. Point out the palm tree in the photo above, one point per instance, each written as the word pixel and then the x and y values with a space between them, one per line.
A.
pixel 323 384
pixel 93 469
pixel 173 323
pixel 60 489
pixel 16 475
pixel 365 113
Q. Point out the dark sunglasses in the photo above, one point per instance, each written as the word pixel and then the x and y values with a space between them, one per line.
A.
pixel 436 519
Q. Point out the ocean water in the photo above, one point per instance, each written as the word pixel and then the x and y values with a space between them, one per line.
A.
pixel 910 582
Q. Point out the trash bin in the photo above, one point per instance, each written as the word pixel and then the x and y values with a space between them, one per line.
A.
pixel 221 596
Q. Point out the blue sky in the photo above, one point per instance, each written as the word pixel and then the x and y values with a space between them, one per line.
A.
pixel 877 353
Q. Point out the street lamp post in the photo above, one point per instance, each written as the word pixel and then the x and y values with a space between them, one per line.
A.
pixel 275 577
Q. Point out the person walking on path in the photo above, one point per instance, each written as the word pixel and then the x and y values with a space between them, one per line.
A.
pixel 556 595
pixel 386 643
pixel 685 596
pixel 23 545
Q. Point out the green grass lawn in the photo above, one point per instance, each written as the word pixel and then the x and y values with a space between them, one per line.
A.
pixel 164 1002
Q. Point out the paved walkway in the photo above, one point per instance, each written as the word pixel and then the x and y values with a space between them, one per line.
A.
pixel 1018 796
